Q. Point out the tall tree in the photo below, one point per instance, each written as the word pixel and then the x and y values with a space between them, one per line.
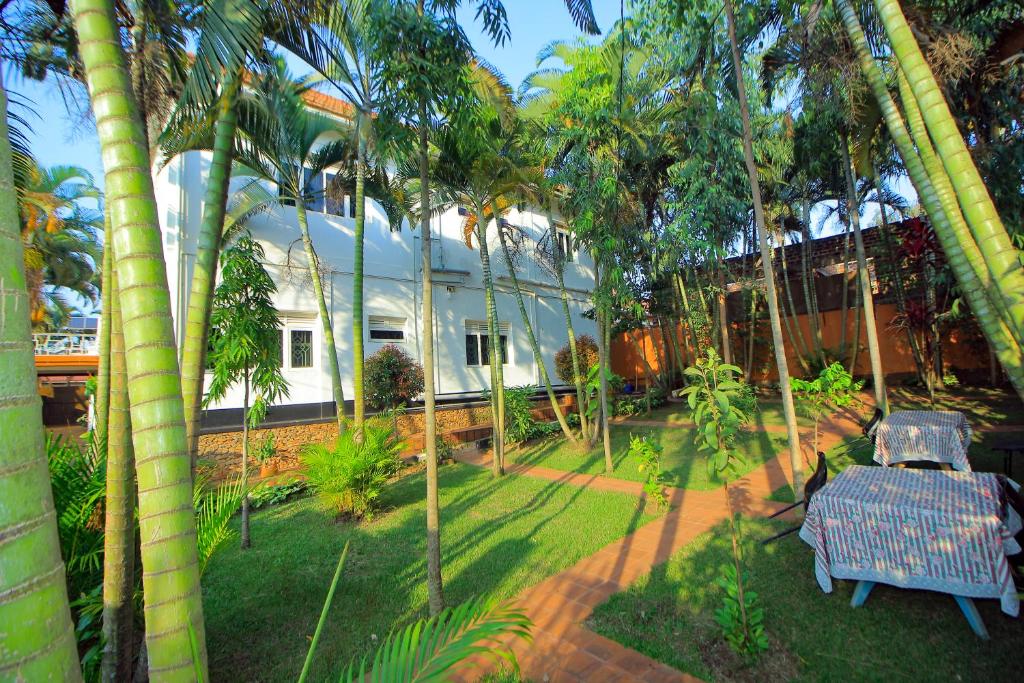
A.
pixel 766 255
pixel 38 642
pixel 246 344
pixel 285 142
pixel 174 614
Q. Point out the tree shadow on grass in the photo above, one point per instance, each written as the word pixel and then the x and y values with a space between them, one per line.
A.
pixel 898 634
pixel 498 536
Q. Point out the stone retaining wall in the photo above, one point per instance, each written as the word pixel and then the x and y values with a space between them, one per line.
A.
pixel 220 453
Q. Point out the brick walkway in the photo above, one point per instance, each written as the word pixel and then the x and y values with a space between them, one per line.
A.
pixel 565 650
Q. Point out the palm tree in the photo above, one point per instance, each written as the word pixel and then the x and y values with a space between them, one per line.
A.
pixel 33 591
pixel 167 524
pixel 964 257
pixel 766 256
pixel 60 237
pixel 119 523
pixel 285 142
pixel 1000 256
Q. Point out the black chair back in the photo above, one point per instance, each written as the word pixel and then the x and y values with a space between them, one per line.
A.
pixel 816 480
pixel 871 428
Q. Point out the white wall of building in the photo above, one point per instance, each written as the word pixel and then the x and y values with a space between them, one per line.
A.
pixel 391 286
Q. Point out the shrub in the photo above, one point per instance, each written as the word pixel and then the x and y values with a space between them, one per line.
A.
pixel 276 494
pixel 350 477
pixel 586 347
pixel 265 449
pixel 519 423
pixel 392 378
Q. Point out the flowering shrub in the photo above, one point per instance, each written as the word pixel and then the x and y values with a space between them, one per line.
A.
pixel 392 378
pixel 586 347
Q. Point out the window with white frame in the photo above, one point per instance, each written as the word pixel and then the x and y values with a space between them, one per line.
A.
pixel 478 351
pixel 321 196
pixel 566 248
pixel 300 346
pixel 386 328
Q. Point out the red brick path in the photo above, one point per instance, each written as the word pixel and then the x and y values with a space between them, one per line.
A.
pixel 562 648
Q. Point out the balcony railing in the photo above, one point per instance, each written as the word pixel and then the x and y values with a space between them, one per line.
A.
pixel 66 344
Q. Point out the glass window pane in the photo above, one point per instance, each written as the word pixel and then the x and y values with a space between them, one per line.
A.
pixel 472 351
pixel 334 198
pixel 351 206
pixel 313 186
pixel 485 350
pixel 504 349
pixel 302 348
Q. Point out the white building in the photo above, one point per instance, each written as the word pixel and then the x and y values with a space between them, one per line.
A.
pixel 392 289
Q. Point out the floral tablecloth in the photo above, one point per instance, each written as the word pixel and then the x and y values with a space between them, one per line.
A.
pixel 933 435
pixel 933 530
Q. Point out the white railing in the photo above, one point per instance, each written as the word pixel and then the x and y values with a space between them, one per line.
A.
pixel 65 344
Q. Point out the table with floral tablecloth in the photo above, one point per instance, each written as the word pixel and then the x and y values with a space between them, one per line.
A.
pixel 933 435
pixel 933 530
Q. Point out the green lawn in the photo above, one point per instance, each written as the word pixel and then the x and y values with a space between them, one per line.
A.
pixel 684 466
pixel 498 536
pixel 896 635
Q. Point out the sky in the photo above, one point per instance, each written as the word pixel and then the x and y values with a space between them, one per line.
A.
pixel 61 138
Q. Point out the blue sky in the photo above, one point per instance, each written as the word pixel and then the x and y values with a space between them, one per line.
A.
pixel 62 138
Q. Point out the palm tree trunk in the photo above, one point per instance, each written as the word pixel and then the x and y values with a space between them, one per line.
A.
pixel 325 316
pixel 808 281
pixel 435 587
pixel 602 361
pixel 37 641
pixel 101 403
pixel 359 404
pixel 245 460
pixel 845 307
pixel 964 258
pixel 723 316
pixel 790 315
pixel 119 527
pixel 174 610
pixel 897 276
pixel 748 370
pixel 204 276
pixel 991 236
pixel 796 462
pixel 493 348
pixel 577 372
pixel 867 298
pixel 538 358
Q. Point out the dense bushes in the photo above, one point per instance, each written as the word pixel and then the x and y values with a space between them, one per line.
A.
pixel 350 476
pixel 392 378
pixel 586 347
pixel 519 423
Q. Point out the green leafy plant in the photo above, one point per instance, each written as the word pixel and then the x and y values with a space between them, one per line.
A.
pixel 712 396
pixel 648 456
pixel 214 509
pixel 265 449
pixel 246 348
pixel 742 624
pixel 276 494
pixel 832 388
pixel 350 476
pixel 392 378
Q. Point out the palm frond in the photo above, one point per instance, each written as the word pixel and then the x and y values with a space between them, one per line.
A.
pixel 432 648
pixel 251 200
pixel 582 13
pixel 214 509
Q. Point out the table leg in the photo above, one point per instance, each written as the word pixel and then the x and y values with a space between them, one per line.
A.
pixel 861 593
pixel 973 617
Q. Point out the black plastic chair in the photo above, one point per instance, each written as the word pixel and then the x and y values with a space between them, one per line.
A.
pixel 871 428
pixel 813 485
pixel 1010 497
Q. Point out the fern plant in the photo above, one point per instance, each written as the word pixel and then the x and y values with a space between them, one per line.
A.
pixel 350 476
